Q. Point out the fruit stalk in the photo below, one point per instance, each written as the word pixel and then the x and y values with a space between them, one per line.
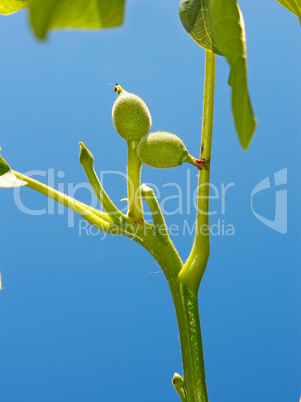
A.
pixel 135 209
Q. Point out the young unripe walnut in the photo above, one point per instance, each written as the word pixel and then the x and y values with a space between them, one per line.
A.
pixel 131 117
pixel 164 150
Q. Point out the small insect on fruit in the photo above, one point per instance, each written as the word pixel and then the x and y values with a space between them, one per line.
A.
pixel 165 150
pixel 131 117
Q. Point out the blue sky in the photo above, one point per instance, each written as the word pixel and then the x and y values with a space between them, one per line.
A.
pixel 90 319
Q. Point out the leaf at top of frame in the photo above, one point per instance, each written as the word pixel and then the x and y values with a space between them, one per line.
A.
pixel 85 14
pixel 194 15
pixel 294 6
pixel 7 177
pixel 229 35
pixel 11 6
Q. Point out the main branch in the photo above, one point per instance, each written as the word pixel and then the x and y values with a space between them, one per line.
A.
pixel 194 268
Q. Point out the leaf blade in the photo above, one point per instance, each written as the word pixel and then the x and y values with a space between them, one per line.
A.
pixel 46 15
pixel 194 15
pixel 7 177
pixel 293 6
pixel 229 35
pixel 11 6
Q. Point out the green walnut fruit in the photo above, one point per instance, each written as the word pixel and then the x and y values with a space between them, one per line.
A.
pixel 131 117
pixel 164 150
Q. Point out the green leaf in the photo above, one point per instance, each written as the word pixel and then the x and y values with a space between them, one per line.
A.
pixel 294 6
pixel 7 177
pixel 194 15
pixel 11 6
pixel 229 35
pixel 88 14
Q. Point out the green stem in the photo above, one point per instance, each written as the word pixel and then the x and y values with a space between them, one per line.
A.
pixel 186 305
pixel 135 209
pixel 194 268
pixel 158 219
pixel 192 388
pixel 86 159
pixel 96 218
